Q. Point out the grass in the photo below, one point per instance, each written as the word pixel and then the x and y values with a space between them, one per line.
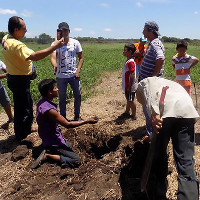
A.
pixel 99 58
pixel 170 51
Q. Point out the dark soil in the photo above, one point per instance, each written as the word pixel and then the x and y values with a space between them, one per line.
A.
pixel 111 152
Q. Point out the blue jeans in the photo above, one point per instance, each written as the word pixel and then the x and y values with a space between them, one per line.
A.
pixel 68 157
pixel 137 69
pixel 23 104
pixel 148 121
pixel 181 131
pixel 76 88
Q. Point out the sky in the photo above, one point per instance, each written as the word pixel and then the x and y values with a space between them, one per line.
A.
pixel 119 19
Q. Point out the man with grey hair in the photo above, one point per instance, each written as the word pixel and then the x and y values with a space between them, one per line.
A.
pixel 153 62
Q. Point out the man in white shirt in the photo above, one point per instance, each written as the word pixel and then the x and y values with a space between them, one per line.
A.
pixel 172 116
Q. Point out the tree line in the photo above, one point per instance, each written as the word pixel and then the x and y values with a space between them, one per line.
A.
pixel 47 39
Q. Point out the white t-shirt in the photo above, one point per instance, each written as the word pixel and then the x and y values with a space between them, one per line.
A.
pixel 2 66
pixel 66 59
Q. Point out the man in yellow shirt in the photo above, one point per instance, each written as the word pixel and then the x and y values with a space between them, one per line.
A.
pixel 18 59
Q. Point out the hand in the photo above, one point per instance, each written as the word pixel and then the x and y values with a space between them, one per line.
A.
pixel 55 70
pixel 93 120
pixel 77 74
pixel 59 43
pixel 156 122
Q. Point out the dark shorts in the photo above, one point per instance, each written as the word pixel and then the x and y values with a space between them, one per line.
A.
pixel 4 99
pixel 130 96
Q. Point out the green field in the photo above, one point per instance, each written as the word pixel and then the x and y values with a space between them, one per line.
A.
pixel 99 58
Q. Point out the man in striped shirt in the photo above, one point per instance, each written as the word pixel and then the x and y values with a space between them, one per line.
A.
pixel 153 62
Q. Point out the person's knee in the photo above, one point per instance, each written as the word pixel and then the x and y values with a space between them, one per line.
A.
pixel 70 162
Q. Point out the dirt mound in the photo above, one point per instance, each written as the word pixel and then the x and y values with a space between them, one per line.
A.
pixel 111 153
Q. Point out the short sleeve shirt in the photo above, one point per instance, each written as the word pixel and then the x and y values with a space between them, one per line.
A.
pixel 48 130
pixel 154 52
pixel 129 67
pixel 66 59
pixel 15 54
pixel 182 67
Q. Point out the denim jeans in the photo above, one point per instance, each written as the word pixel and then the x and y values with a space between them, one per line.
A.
pixel 148 121
pixel 68 157
pixel 137 69
pixel 23 104
pixel 76 88
pixel 181 131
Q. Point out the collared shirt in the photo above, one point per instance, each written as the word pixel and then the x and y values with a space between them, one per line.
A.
pixel 177 102
pixel 48 130
pixel 15 54
pixel 182 67
pixel 66 59
pixel 155 51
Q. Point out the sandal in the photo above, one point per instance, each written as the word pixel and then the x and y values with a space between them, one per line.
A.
pixel 38 161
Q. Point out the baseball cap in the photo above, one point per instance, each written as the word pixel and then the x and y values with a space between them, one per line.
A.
pixel 153 26
pixel 63 25
pixel 143 39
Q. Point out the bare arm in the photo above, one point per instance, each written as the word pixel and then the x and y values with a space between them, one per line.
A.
pixel 80 64
pixel 53 62
pixel 194 62
pixel 39 55
pixel 56 117
pixel 156 122
pixel 4 75
pixel 159 64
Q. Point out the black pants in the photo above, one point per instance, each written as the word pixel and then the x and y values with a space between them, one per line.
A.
pixel 181 131
pixel 23 104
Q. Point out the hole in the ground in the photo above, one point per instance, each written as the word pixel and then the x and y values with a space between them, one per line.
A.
pixel 131 173
pixel 102 147
pixel 99 145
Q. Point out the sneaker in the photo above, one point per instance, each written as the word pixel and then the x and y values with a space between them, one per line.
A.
pixel 10 121
pixel 5 126
pixel 133 117
pixel 38 161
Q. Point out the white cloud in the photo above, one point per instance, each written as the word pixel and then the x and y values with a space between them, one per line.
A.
pixel 7 12
pixel 107 29
pixel 26 13
pixel 104 5
pixel 196 12
pixel 78 29
pixel 138 4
